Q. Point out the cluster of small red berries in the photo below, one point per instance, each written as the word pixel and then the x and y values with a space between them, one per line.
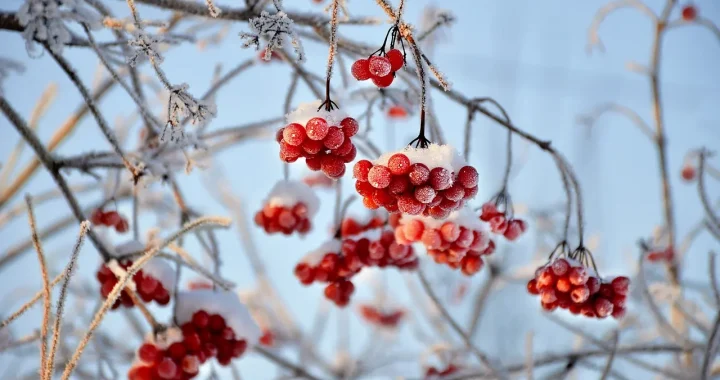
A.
pixel 414 189
pixel 273 57
pixel 377 317
pixel 434 373
pixel 381 250
pixel 455 245
pixel 109 219
pixel 351 226
pixel 324 147
pixel 148 288
pixel 276 219
pixel 334 269
pixel 568 285
pixel 511 228
pixel 205 336
pixel 380 69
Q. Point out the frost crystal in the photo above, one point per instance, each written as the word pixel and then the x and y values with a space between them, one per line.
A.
pixel 44 20
pixel 7 66
pixel 144 45
pixel 276 29
pixel 182 104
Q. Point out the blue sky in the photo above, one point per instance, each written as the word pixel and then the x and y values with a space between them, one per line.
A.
pixel 528 55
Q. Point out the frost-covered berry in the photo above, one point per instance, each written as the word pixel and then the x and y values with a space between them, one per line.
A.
pixel 379 66
pixel 418 174
pixel 349 126
pixel 384 81
pixel 294 134
pixel 468 176
pixel 317 128
pixel 361 70
pixel 334 138
pixel 399 164
pixel 440 178
pixel 379 176
pixel 689 13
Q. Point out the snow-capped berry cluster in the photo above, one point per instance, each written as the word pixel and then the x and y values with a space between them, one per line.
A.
pixel 152 283
pixel 459 241
pixel 109 219
pixel 432 181
pixel 322 137
pixel 381 318
pixel 567 284
pixel 329 265
pixel 354 225
pixel 510 228
pixel 378 248
pixel 289 207
pixel 378 68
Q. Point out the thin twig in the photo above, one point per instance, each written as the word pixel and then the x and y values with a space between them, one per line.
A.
pixel 608 365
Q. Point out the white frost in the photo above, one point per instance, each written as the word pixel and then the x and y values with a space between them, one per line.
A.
pixel 306 111
pixel 434 156
pixel 162 271
pixel 314 257
pixel 129 247
pixel 226 304
pixel 289 193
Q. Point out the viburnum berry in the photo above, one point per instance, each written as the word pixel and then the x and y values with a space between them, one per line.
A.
pixel 396 59
pixel 501 222
pixel 381 317
pixel 289 208
pixel 689 12
pixel 397 112
pixel 294 134
pixel 688 173
pixel 383 82
pixel 379 66
pixel 361 69
pixel 110 219
pixel 567 284
pixel 148 287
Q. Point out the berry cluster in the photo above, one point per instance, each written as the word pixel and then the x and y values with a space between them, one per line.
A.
pixel 288 208
pixel 351 226
pixel 274 219
pixel 323 138
pixel 402 182
pixel 378 248
pixel 434 373
pixel 204 337
pixel 148 287
pixel 500 223
pixel 457 242
pixel 331 266
pixel 660 255
pixel 397 112
pixel 379 68
pixel 109 219
pixel 380 318
pixel 567 284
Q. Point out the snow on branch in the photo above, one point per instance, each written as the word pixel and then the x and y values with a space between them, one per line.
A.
pixel 276 29
pixel 44 21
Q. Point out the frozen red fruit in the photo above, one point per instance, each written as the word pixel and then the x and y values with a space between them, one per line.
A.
pixel 620 285
pixel 361 170
pixel 399 164
pixel 200 319
pixel 395 57
pixel 532 287
pixel 383 82
pixel 580 294
pixel 432 239
pixel 397 112
pixel 317 128
pixel 424 194
pixel 410 205
pixel 455 193
pixel 349 126
pixel 148 353
pixel 688 173
pixel 312 146
pixel 468 176
pixel 361 69
pixel 603 307
pixel 167 369
pixel 332 166
pixel 379 176
pixel 413 230
pixel 379 66
pixel 334 138
pixel 294 134
pixel 440 178
pixel 418 174
pixel 560 267
pixel 578 275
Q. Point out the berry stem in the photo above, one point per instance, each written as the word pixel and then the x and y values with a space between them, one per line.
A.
pixel 421 140
pixel 331 55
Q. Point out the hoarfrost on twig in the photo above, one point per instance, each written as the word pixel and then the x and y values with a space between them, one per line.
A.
pixel 182 104
pixel 144 45
pixel 44 21
pixel 276 29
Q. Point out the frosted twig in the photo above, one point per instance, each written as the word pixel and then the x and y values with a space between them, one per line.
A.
pixel 608 365
pixel 449 319
pixel 710 215
pixel 713 344
pixel 30 303
pixel 593 37
pixel 333 41
pixel 713 278
pixel 591 118
pixel 296 370
pixel 69 271
pixel 47 300
pixel 186 259
pixel 127 276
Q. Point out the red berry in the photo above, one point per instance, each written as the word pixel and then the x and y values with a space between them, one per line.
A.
pixel 216 322
pixel 190 365
pixel 399 185
pixel 192 341
pixel 148 353
pixel 440 178
pixel 563 284
pixel 176 350
pixel 455 193
pixel 97 217
pixel 304 273
pixel 471 265
pixel 532 287
pixel 560 267
pixel 349 126
pixel 167 369
pixel 312 146
pixel 580 294
pixel 148 285
pixel 332 166
pixel 424 194
pixel 379 176
pixel 361 69
pixel 162 297
pixel 279 135
pixel 383 82
pixel 593 284
pixel 689 13
pixel 361 170
pixel 410 205
pixel 200 319
pixel 334 138
pixel 620 285
pixel 603 307
pixel 379 66
pixel 317 128
pixel 239 347
pixel 688 173
pixel 468 177
pixel 140 373
pixel 578 275
pixel 111 218
pixel 399 164
pixel 294 134
pixel 618 312
pixel 418 174
pixel 396 59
